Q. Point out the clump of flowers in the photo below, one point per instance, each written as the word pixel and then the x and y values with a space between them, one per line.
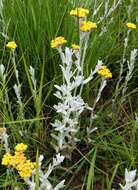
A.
pixel 104 72
pixel 58 41
pixel 75 47
pixel 11 45
pixel 86 26
pixel 27 169
pixel 131 26
pixel 79 12
pixel 130 64
pixel 71 104
pixel 17 86
pixel 19 161
pixel 21 147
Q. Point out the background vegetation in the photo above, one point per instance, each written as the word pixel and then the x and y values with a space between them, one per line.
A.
pixel 100 158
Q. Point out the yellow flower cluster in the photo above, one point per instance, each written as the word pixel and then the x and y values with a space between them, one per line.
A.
pixel 11 45
pixel 19 161
pixel 58 41
pixel 79 12
pixel 131 25
pixel 7 158
pixel 104 72
pixel 75 47
pixel 21 147
pixel 86 26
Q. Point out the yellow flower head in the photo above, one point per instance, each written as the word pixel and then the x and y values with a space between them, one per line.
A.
pixel 21 147
pixel 6 160
pixel 86 26
pixel 75 47
pixel 25 169
pixel 58 41
pixel 11 45
pixel 19 157
pixel 79 12
pixel 104 72
pixel 131 25
pixel 19 161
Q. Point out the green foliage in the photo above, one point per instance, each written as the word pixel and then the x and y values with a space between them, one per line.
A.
pixel 100 158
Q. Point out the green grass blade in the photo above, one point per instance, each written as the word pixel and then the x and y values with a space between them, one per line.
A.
pixel 37 171
pixel 91 172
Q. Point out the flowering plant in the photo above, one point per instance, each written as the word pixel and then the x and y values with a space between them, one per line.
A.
pixel 71 104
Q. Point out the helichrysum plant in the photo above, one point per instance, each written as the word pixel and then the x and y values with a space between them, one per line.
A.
pixel 19 161
pixel 71 104
pixel 130 64
pixel 44 182
pixel 130 180
pixel 27 169
pixel 33 79
pixel 17 86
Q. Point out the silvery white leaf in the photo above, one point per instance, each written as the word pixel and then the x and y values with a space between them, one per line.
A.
pixel 41 157
pixel 60 141
pixel 48 185
pixel 67 74
pixel 2 69
pixel 17 89
pixel 68 55
pixel 58 95
pixel 97 9
pixel 55 137
pixel 61 108
pixel 58 87
pixel 17 73
pixel 60 128
pixel 61 54
pixel 57 124
pixel 60 185
pixel 130 175
pixel 31 71
pixel 59 159
pixel 50 168
pixel 77 63
pixel 77 54
pixel 133 55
